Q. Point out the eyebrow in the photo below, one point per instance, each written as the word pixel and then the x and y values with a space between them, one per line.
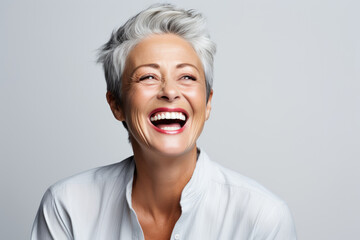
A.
pixel 181 65
pixel 157 66
pixel 152 65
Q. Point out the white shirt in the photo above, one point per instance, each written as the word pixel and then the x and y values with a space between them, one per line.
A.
pixel 217 203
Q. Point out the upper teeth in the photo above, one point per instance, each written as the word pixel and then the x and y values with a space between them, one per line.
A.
pixel 168 115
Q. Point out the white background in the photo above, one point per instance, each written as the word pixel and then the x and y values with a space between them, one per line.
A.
pixel 285 108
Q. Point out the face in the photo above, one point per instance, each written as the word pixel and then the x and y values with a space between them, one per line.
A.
pixel 163 96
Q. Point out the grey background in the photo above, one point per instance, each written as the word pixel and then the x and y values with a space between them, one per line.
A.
pixel 285 110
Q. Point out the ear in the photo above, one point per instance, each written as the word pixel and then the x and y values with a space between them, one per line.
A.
pixel 208 105
pixel 115 107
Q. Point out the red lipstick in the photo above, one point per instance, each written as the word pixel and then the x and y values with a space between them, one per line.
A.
pixel 161 120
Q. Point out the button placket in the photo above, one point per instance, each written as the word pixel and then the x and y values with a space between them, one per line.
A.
pixel 177 236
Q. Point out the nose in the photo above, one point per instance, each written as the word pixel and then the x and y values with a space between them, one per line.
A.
pixel 169 91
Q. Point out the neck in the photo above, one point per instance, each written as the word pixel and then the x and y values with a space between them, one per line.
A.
pixel 159 181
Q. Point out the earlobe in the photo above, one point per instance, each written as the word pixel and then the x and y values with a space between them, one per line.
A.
pixel 208 105
pixel 115 107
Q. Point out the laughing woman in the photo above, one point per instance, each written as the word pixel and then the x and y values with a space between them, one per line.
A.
pixel 159 70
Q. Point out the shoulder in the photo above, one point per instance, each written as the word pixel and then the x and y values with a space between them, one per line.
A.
pixel 75 202
pixel 92 182
pixel 268 214
pixel 238 183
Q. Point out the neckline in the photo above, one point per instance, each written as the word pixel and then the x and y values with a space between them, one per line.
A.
pixel 192 191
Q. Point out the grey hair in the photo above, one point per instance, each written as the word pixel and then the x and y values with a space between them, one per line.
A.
pixel 158 19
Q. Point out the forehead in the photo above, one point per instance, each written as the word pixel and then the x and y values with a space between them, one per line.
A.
pixel 163 49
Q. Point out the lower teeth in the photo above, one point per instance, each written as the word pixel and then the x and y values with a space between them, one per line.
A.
pixel 170 128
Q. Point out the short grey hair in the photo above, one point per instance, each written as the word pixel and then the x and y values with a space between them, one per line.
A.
pixel 157 19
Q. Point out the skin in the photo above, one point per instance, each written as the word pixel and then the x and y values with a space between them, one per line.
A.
pixel 161 71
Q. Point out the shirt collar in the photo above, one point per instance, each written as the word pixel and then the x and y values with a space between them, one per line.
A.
pixel 196 187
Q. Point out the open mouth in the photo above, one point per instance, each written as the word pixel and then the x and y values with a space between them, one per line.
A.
pixel 168 120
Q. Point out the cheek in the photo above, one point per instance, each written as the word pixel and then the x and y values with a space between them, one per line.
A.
pixel 197 98
pixel 136 110
pixel 136 107
pixel 138 97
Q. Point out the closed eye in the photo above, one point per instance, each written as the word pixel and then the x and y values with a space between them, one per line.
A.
pixel 147 77
pixel 188 77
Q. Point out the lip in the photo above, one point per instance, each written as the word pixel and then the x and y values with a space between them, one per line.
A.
pixel 163 109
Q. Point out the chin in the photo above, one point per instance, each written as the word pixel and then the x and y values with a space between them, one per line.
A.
pixel 174 150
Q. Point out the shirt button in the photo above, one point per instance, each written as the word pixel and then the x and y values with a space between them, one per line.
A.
pixel 177 236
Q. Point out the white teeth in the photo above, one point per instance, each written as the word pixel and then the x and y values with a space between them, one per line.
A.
pixel 168 115
pixel 170 128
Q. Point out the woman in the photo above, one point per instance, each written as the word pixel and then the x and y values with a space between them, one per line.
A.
pixel 158 68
